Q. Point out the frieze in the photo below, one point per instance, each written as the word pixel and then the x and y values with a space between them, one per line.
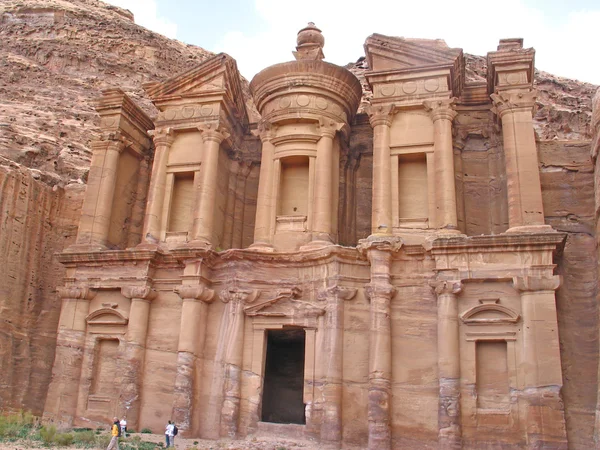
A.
pixel 424 86
pixel 189 112
pixel 315 103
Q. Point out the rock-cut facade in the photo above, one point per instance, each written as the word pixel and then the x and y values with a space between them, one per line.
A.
pixel 371 272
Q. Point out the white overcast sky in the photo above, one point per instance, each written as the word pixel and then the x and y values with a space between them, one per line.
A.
pixel 258 33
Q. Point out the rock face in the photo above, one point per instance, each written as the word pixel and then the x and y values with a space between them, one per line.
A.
pixel 250 249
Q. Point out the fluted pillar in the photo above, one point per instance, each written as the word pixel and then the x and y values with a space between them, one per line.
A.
pixel 134 352
pixel 380 292
pixel 97 209
pixel 192 333
pixel 324 178
pixel 332 351
pixel 264 202
pixel 449 419
pixel 381 216
pixel 236 299
pixel 204 211
pixel 542 365
pixel 515 110
pixel 61 402
pixel 442 114
pixel 163 139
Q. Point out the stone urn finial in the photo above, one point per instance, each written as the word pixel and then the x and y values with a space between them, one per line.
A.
pixel 309 44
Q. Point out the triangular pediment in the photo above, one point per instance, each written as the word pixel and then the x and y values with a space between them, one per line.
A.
pixel 285 303
pixel 106 316
pixel 215 76
pixel 386 53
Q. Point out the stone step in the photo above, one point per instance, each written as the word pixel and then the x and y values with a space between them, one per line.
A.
pixel 281 430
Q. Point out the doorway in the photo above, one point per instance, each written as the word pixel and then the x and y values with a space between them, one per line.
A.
pixel 284 376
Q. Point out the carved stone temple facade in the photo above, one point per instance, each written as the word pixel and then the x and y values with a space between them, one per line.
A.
pixel 319 266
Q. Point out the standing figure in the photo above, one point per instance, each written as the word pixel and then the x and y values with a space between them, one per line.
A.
pixel 116 433
pixel 123 425
pixel 169 434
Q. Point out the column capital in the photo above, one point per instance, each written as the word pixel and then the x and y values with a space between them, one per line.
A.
pixel 441 109
pixel 381 289
pixel 390 244
pixel 139 292
pixel 76 292
pixel 505 102
pixel 265 131
pixel 213 132
pixel 328 127
pixel 336 291
pixel 532 284
pixel 162 136
pixel 197 292
pixel 238 295
pixel 446 287
pixel 381 114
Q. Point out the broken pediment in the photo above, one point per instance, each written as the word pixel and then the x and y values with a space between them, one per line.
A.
pixel 386 53
pixel 284 304
pixel 489 312
pixel 216 78
pixel 106 316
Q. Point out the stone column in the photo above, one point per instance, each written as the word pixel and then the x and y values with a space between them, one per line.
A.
pixel 236 299
pixel 192 333
pixel 264 201
pixel 134 352
pixel 380 291
pixel 442 114
pixel 381 216
pixel 163 139
pixel 95 217
pixel 449 420
pixel 525 207
pixel 204 211
pixel 61 402
pixel 323 197
pixel 332 351
pixel 541 363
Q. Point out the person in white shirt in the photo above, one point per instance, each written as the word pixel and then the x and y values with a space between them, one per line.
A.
pixel 123 425
pixel 169 434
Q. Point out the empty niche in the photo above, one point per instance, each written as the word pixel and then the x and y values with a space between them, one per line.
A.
pixel 182 201
pixel 293 195
pixel 493 391
pixel 413 197
pixel 105 368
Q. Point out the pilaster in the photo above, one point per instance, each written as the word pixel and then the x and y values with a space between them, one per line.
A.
pixel 332 351
pixel 265 203
pixel 379 251
pixel 192 335
pixel 236 299
pixel 541 353
pixel 61 401
pixel 449 412
pixel 134 352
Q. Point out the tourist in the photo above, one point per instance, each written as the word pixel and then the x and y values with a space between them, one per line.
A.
pixel 123 425
pixel 116 432
pixel 169 434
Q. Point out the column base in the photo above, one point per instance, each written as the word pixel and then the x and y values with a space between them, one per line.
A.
pixel 530 229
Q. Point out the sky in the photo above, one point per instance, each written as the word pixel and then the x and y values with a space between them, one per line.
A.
pixel 259 33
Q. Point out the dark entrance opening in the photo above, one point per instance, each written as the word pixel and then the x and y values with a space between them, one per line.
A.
pixel 284 376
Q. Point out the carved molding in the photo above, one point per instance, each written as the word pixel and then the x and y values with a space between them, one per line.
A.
pixel 489 305
pixel 381 114
pixel 118 318
pixel 441 109
pixel 162 136
pixel 298 308
pixel 76 292
pixel 213 131
pixel 505 102
pixel 337 291
pixel 328 127
pixel 197 292
pixel 380 290
pixel 386 243
pixel 141 292
pixel 238 295
pixel 533 284
pixel 446 287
